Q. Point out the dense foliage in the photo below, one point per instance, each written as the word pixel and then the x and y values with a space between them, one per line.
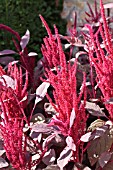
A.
pixel 56 114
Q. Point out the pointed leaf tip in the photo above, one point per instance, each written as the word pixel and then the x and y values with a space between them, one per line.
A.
pixel 25 39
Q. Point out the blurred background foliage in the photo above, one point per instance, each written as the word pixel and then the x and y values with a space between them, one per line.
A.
pixel 21 15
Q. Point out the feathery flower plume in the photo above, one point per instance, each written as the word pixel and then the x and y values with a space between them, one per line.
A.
pixel 103 62
pixel 71 117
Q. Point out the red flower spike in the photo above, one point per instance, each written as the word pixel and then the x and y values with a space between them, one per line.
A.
pixel 50 48
pixel 103 61
pixel 65 95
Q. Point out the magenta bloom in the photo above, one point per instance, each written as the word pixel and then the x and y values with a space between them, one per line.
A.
pixel 103 62
pixel 71 117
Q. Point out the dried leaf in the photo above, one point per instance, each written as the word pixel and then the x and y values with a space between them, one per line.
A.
pixel 3 163
pixel 41 91
pixel 95 124
pixel 25 39
pixel 64 158
pixel 94 109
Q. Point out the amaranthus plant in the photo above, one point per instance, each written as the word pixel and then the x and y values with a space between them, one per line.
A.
pixel 57 114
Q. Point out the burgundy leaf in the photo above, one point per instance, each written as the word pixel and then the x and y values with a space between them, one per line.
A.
pixel 25 39
pixel 6 60
pixel 7 52
pixel 72 117
pixel 41 91
pixel 64 158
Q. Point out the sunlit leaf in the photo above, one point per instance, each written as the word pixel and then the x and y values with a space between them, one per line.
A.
pixel 41 91
pixel 3 163
pixel 72 117
pixel 25 39
pixel 64 157
pixel 7 52
pixel 94 109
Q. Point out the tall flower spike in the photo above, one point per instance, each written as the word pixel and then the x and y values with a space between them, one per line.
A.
pixel 67 100
pixel 20 88
pixel 50 48
pixel 103 62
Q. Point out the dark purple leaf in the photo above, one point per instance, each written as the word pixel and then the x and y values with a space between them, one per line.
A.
pixel 94 109
pixel 6 60
pixel 25 39
pixel 7 52
pixel 100 145
pixel 65 157
pixel 48 140
pixel 3 163
pixel 72 117
pixel 49 157
pixel 104 158
pixel 41 91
